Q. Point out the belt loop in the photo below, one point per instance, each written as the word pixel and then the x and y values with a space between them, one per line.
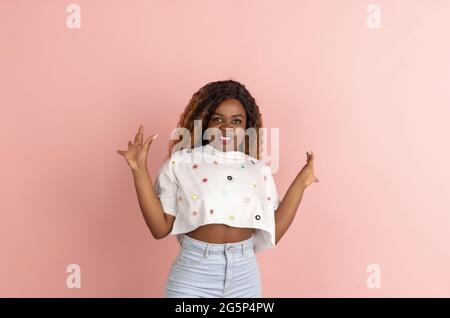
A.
pixel 243 248
pixel 206 254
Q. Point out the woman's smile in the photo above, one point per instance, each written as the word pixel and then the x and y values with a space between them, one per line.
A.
pixel 225 139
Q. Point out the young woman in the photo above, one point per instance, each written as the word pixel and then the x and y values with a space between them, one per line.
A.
pixel 216 194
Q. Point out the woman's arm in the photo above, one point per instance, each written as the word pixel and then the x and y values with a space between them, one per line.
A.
pixel 159 223
pixel 289 204
pixel 288 208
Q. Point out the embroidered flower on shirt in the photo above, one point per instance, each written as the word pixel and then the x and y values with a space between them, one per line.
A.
pixel 204 179
pixel 194 213
pixel 211 211
pixel 224 192
pixel 247 200
pixel 194 166
pixel 258 217
pixel 230 178
pixel 231 217
pixel 194 197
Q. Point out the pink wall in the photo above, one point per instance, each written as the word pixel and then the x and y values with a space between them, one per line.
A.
pixel 373 105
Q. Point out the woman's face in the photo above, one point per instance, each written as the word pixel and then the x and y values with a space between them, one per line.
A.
pixel 231 119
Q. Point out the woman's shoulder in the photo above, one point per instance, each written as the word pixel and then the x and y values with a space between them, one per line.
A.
pixel 198 155
pixel 265 168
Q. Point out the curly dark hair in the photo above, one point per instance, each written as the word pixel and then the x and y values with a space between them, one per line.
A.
pixel 203 104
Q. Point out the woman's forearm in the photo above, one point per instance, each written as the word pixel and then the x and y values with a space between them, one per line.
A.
pixel 150 204
pixel 288 207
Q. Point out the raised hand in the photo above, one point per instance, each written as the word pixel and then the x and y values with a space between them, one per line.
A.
pixel 136 155
pixel 306 175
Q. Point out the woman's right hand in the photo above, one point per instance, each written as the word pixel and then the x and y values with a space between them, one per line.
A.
pixel 136 155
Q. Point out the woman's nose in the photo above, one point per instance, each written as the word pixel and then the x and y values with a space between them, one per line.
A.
pixel 225 126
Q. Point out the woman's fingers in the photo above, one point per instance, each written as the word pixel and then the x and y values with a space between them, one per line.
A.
pixel 138 141
pixel 138 137
pixel 141 135
pixel 124 152
pixel 311 160
pixel 149 141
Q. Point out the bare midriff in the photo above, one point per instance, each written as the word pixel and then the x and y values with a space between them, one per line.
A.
pixel 220 233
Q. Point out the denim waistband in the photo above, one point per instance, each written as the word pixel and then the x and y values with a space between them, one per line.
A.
pixel 215 248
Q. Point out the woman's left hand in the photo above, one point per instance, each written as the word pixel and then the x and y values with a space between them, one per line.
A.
pixel 306 175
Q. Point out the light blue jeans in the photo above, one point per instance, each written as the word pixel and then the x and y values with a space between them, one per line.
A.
pixel 208 270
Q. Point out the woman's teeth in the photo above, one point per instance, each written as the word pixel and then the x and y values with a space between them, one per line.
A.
pixel 225 139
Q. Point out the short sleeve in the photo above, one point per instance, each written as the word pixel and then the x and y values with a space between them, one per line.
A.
pixel 271 189
pixel 166 188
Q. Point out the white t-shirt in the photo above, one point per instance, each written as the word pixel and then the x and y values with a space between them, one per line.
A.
pixel 205 185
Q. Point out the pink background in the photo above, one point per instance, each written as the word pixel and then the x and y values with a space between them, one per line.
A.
pixel 373 104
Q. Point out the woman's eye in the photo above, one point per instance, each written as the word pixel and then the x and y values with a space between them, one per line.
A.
pixel 237 121
pixel 216 119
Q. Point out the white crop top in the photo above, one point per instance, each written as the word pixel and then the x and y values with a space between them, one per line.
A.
pixel 205 185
